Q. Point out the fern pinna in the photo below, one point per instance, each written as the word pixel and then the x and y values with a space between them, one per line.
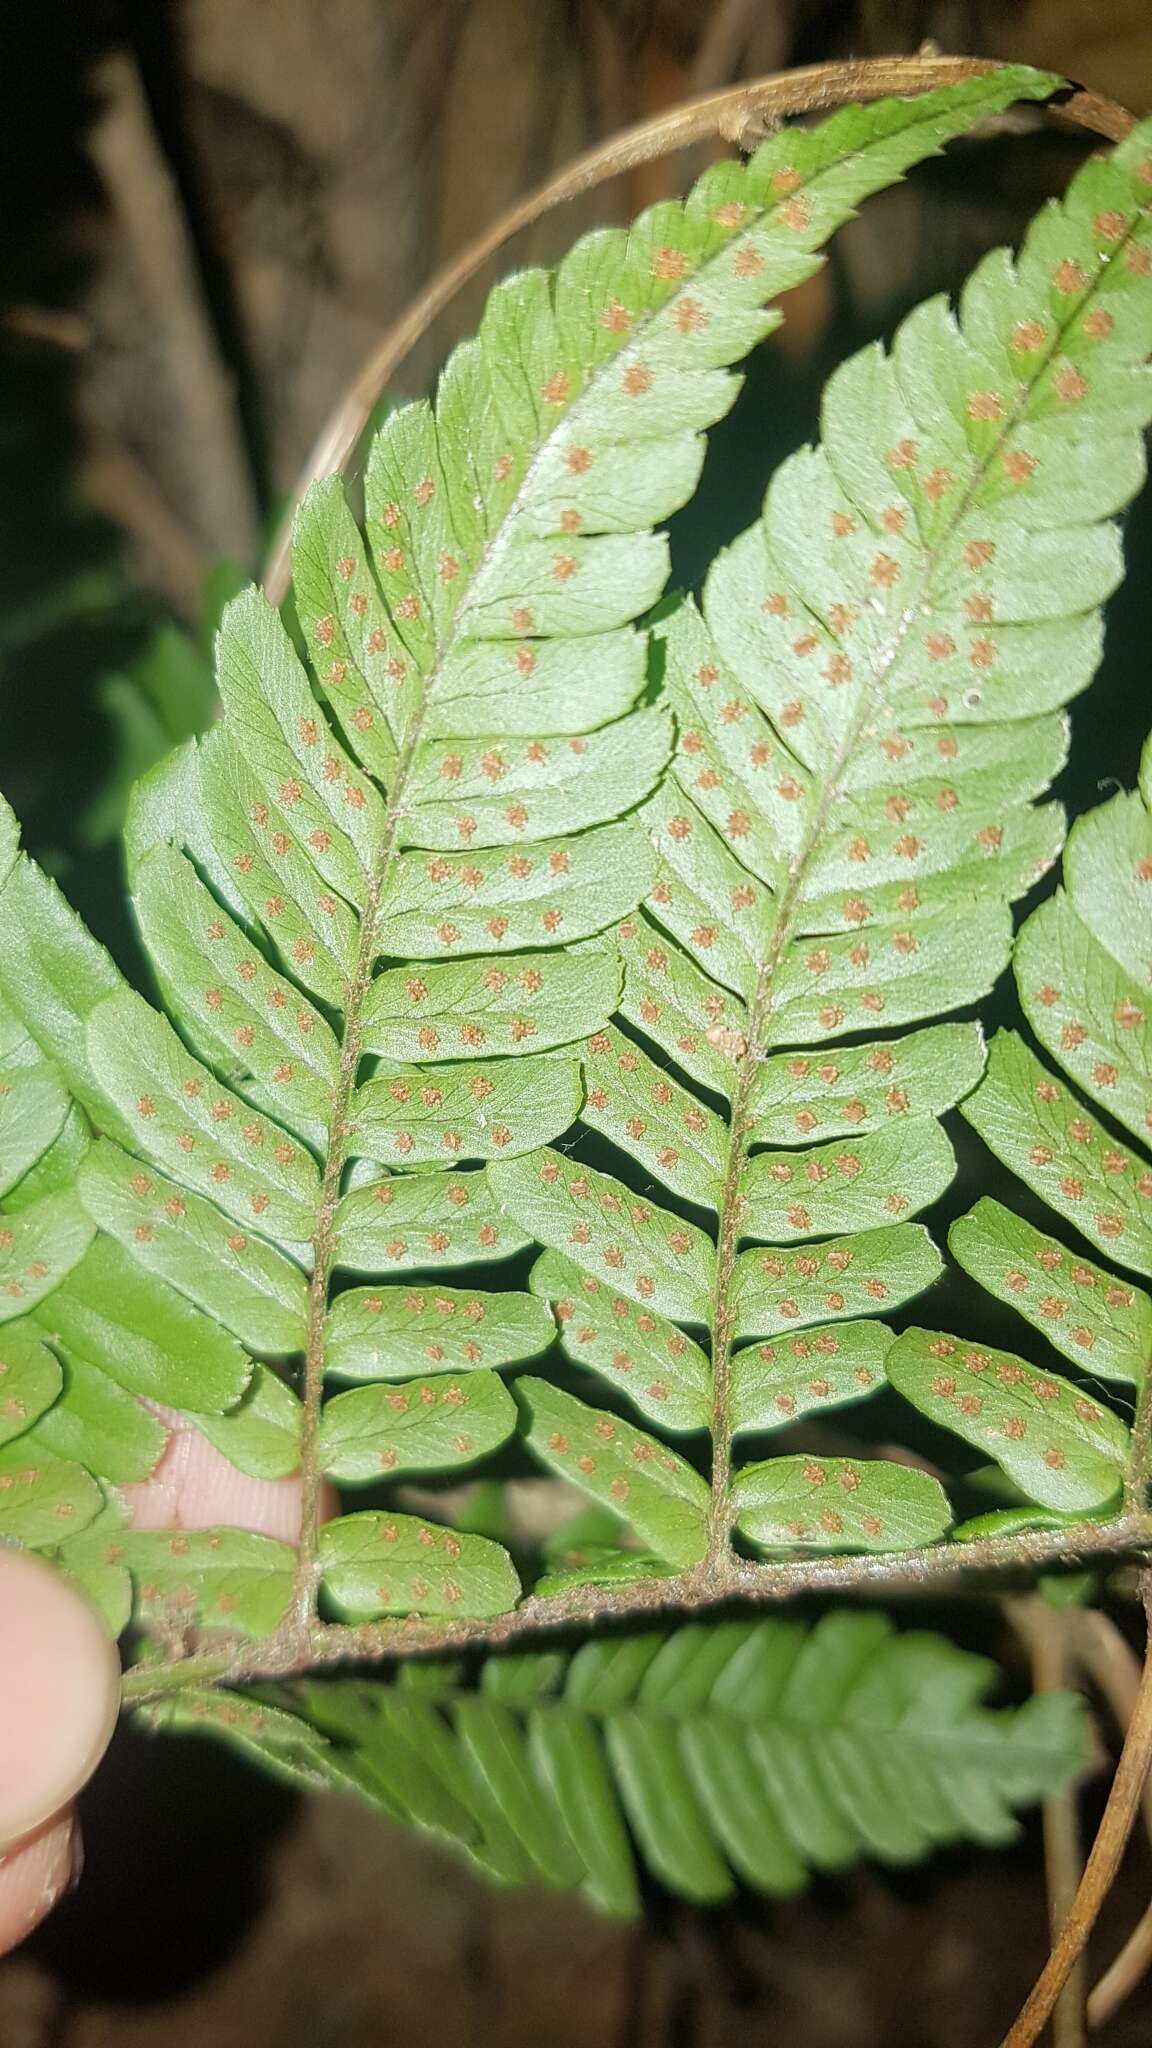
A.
pixel 754 1749
pixel 1083 965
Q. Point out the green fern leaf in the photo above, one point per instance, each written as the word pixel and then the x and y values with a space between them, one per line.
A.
pixel 1083 966
pixel 43 1497
pixel 203 1579
pixel 753 1751
pixel 840 1504
pixel 663 1498
pixel 381 1563
pixel 30 1381
pixel 425 1425
pixel 1103 1321
pixel 1059 1447
pixel 868 714
pixel 387 858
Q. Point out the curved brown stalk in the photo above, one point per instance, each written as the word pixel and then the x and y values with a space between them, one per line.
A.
pixel 1103 1861
pixel 814 88
pixel 1114 1669
pixel 1047 1633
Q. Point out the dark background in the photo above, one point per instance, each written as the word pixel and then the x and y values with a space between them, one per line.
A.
pixel 210 210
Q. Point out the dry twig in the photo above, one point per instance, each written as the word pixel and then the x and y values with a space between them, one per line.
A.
pixel 141 189
pixel 1103 1861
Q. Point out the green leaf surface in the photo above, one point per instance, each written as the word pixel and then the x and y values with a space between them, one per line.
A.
pixel 603 1567
pixel 236 1007
pixel 826 1367
pixel 283 1744
pixel 662 1372
pixel 643 1109
pixel 869 711
pixel 1086 1011
pixel 528 1001
pixel 143 1335
pixel 33 1105
pixel 1039 1128
pixel 196 1129
pixel 391 1333
pixel 92 1560
pixel 425 1425
pixel 43 1498
pixel 634 1474
pixel 863 1088
pixel 429 1220
pixel 55 1171
pixel 651 1255
pixel 105 1429
pixel 30 1380
pixel 260 1435
pixel 1061 1448
pixel 501 793
pixel 474 1110
pixel 228 1579
pixel 185 1239
pixel 39 1246
pixel 810 1503
pixel 381 1563
pixel 1099 1321
pixel 53 973
pixel 852 1184
pixel 470 855
pixel 777 1291
pixel 757 1749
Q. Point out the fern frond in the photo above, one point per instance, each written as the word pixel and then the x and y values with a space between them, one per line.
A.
pixel 1083 966
pixel 358 893
pixel 752 1751
pixel 868 713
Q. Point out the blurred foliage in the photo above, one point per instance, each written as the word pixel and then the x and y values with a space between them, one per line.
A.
pixel 165 694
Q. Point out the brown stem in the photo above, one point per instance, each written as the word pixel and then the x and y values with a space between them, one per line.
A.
pixel 1103 1861
pixel 951 1567
pixel 143 194
pixel 1114 1668
pixel 1139 1471
pixel 814 88
pixel 1123 1975
pixel 1047 1631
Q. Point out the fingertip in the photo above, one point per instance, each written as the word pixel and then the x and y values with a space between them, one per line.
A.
pixel 59 1693
pixel 195 1487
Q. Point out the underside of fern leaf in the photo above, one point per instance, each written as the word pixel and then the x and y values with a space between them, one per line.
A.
pixel 380 905
pixel 868 709
pixel 1079 1139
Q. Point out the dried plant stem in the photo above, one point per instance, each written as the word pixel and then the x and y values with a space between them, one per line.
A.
pixel 724 43
pixel 1048 1635
pixel 1111 1663
pixel 816 87
pixel 1103 1861
pixel 1123 1975
pixel 943 1567
pixel 140 187
pixel 172 557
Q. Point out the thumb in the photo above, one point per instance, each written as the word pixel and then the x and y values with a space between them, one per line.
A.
pixel 59 1692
